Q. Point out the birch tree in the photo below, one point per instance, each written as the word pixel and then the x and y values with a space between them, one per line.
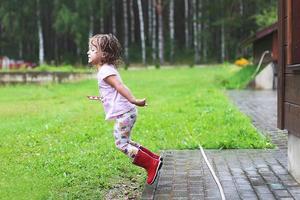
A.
pixel 241 7
pixel 132 29
pixel 160 31
pixel 125 18
pixel 150 20
pixel 223 33
pixel 60 28
pixel 113 13
pixel 40 34
pixel 186 23
pixel 91 17
pixel 142 31
pixel 205 25
pixel 199 35
pixel 102 16
pixel 154 44
pixel 195 31
pixel 171 26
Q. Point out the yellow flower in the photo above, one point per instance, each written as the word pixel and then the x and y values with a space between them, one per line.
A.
pixel 241 62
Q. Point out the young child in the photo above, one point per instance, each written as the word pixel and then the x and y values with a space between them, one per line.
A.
pixel 119 103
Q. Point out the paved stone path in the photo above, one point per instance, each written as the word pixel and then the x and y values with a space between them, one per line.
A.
pixel 261 106
pixel 244 174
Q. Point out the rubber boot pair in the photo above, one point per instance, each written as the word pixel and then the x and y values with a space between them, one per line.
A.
pixel 150 162
pixel 153 155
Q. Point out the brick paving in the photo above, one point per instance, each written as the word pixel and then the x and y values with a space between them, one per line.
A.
pixel 244 174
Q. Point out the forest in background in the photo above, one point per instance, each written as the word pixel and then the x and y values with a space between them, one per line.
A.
pixel 150 31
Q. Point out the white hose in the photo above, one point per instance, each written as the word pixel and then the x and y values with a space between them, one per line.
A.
pixel 260 62
pixel 213 174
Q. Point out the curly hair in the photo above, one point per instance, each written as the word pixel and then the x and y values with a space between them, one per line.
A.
pixel 110 47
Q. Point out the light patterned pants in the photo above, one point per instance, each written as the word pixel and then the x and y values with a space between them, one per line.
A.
pixel 122 130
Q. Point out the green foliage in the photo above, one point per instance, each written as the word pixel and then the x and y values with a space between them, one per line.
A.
pixel 55 143
pixel 238 77
pixel 267 17
pixel 66 26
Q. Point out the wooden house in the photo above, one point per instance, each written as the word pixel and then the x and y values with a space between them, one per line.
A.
pixel 265 40
pixel 289 79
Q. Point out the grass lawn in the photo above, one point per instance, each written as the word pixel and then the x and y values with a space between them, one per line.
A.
pixel 55 143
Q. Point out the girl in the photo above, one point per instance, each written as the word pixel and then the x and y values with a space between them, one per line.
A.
pixel 119 103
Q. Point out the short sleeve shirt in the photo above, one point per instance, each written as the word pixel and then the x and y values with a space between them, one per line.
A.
pixel 114 103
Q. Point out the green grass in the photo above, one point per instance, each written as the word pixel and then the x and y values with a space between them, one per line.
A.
pixel 239 77
pixel 55 143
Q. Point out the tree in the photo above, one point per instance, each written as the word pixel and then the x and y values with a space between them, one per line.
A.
pixel 159 8
pixel 171 27
pixel 195 30
pixel 132 29
pixel 150 10
pixel 60 33
pixel 40 33
pixel 113 7
pixel 125 18
pixel 186 23
pixel 199 28
pixel 267 17
pixel 141 18
pixel 154 46
pixel 102 16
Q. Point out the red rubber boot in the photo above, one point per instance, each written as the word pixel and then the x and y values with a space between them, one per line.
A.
pixel 153 155
pixel 150 164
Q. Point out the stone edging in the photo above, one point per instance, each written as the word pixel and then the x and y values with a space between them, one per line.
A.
pixel 43 77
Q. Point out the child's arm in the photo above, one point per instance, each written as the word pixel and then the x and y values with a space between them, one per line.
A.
pixel 124 91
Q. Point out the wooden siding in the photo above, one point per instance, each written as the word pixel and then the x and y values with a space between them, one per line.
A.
pixel 281 61
pixel 261 45
pixel 296 32
pixel 289 66
pixel 275 49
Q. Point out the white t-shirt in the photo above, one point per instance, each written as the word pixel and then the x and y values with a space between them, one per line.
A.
pixel 114 103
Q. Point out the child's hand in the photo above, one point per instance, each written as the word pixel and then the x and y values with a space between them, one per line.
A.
pixel 140 102
pixel 94 98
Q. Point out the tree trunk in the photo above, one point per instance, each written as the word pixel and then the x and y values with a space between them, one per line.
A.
pixel 91 31
pixel 241 8
pixel 160 32
pixel 222 41
pixel 20 49
pixel 132 29
pixel 223 45
pixel 114 27
pixel 154 46
pixel 195 29
pixel 142 31
pixel 55 48
pixel 125 18
pixel 204 49
pixel 40 34
pixel 205 25
pixel 199 21
pixel 186 23
pixel 150 20
pixel 171 26
pixel 101 16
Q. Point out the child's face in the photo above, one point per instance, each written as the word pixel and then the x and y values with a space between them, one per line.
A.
pixel 93 55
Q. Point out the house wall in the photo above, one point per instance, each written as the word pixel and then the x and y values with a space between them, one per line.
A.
pixel 260 46
pixel 289 79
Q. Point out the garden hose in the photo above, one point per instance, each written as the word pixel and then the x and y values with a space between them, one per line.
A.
pixel 213 174
pixel 260 63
